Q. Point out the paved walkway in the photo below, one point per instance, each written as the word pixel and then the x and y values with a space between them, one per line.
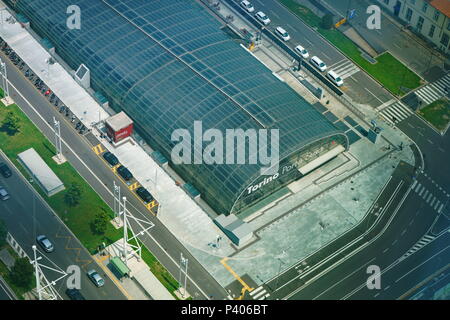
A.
pixel 188 221
pixel 142 274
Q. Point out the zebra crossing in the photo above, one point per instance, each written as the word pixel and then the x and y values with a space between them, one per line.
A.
pixel 259 293
pixel 345 68
pixel 428 196
pixel 434 91
pixel 419 244
pixel 396 112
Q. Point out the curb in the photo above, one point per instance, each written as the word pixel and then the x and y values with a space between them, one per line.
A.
pixel 345 55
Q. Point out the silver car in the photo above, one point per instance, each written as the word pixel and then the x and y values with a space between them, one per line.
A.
pixel 4 195
pixel 96 278
pixel 45 243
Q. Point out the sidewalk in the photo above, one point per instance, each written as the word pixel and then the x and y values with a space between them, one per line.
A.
pixel 180 213
pixel 403 44
pixel 148 284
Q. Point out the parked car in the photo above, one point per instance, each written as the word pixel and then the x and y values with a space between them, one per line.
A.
pixel 318 63
pixel 110 158
pixel 4 195
pixel 283 34
pixel 45 243
pixel 95 278
pixel 144 194
pixel 5 171
pixel 302 51
pixel 261 16
pixel 124 173
pixel 333 76
pixel 247 6
pixel 74 294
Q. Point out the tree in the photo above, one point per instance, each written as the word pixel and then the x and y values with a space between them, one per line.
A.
pixel 22 273
pixel 100 223
pixel 11 123
pixel 73 195
pixel 327 22
pixel 3 233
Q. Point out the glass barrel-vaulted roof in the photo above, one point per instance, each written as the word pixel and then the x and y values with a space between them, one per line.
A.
pixel 167 63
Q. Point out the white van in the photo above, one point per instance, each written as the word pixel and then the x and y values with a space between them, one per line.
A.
pixel 261 16
pixel 335 78
pixel 247 6
pixel 319 64
pixel 302 51
pixel 282 34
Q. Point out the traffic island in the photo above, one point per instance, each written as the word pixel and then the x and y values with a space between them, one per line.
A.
pixel 7 101
pixel 139 282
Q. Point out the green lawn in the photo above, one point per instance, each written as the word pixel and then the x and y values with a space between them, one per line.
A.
pixel 437 113
pixel 390 72
pixel 159 271
pixel 78 218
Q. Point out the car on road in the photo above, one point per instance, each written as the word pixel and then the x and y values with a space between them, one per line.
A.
pixel 318 63
pixel 74 294
pixel 4 195
pixel 45 243
pixel 144 194
pixel 5 171
pixel 261 16
pixel 302 51
pixel 333 76
pixel 283 34
pixel 95 278
pixel 110 158
pixel 125 173
pixel 247 6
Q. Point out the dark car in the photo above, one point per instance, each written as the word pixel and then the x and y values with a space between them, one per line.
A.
pixel 125 173
pixel 45 243
pixel 5 171
pixel 74 294
pixel 144 194
pixel 110 158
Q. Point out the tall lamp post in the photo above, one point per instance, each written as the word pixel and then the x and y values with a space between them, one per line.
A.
pixel 4 73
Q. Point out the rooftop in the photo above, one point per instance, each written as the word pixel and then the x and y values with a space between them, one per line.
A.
pixel 442 5
pixel 119 121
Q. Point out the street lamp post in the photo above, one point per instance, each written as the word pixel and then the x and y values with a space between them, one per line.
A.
pixel 4 73
pixel 183 263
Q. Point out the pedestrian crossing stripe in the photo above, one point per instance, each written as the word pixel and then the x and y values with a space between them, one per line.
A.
pixel 134 186
pixel 428 196
pixel 259 293
pixel 435 90
pixel 396 110
pixel 98 149
pixel 420 244
pixel 345 69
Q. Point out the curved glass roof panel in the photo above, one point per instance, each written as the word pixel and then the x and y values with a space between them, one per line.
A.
pixel 168 64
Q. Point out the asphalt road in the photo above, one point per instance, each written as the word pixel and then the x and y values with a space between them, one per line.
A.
pixel 402 45
pixel 359 86
pixel 159 240
pixel 27 216
pixel 348 280
pixel 5 294
pixel 417 221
